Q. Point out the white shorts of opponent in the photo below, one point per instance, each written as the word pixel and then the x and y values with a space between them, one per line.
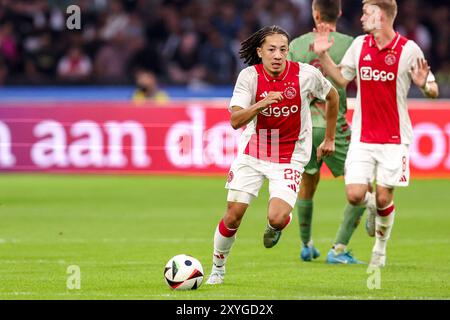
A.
pixel 388 164
pixel 247 174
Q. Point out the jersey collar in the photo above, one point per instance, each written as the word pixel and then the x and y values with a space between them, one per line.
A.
pixel 280 77
pixel 390 46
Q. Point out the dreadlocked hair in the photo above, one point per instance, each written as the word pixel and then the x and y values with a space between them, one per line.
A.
pixel 248 46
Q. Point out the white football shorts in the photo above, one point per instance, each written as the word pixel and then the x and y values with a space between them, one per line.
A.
pixel 247 174
pixel 388 164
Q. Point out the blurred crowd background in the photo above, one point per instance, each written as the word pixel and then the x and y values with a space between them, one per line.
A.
pixel 191 43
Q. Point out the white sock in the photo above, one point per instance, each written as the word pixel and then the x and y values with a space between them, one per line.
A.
pixel 223 241
pixel 383 228
pixel 367 198
pixel 270 226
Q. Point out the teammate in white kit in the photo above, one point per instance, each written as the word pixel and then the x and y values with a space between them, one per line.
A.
pixel 384 64
pixel 271 98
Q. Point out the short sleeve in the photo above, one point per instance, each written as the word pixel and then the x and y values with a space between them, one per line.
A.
pixel 242 93
pixel 414 53
pixel 318 85
pixel 348 63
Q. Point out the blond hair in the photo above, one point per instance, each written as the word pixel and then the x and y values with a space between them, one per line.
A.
pixel 388 6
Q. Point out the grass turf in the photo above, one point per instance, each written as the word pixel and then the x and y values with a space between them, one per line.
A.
pixel 121 231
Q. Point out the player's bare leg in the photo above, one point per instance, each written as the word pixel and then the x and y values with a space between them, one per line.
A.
pixel 371 212
pixel 224 237
pixel 279 216
pixel 361 195
pixel 305 206
pixel 356 193
pixel 383 224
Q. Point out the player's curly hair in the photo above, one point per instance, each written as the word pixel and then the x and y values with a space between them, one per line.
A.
pixel 248 46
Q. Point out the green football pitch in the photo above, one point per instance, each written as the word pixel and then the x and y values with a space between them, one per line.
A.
pixel 121 230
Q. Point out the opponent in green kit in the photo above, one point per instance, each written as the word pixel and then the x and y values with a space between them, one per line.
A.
pixel 302 49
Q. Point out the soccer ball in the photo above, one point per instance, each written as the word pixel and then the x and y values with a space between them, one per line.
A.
pixel 183 272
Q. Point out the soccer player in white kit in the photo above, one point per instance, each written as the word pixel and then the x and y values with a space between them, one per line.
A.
pixel 271 98
pixel 384 64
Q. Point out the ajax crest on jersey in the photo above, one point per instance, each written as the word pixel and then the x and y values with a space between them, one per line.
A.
pixel 390 59
pixel 290 93
pixel 183 272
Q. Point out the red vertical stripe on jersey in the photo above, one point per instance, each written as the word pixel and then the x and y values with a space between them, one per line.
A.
pixel 277 127
pixel 378 69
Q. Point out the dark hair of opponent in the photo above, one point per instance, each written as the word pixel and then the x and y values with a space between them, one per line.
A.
pixel 329 9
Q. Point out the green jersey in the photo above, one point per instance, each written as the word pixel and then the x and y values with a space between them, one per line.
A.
pixel 301 50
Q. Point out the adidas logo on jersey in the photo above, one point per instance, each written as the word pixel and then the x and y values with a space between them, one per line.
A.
pixel 367 58
pixel 264 94
pixel 293 187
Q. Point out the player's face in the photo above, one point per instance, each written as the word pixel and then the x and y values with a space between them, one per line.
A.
pixel 371 18
pixel 273 53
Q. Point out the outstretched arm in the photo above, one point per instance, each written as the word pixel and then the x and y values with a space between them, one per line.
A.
pixel 419 75
pixel 327 146
pixel 322 44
